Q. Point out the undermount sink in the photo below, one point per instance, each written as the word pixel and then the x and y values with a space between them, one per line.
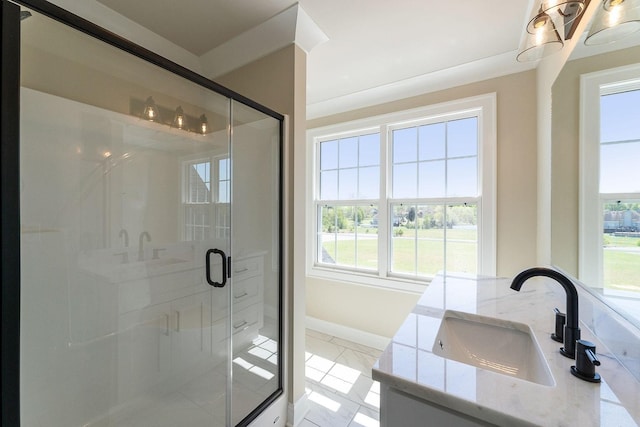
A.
pixel 502 346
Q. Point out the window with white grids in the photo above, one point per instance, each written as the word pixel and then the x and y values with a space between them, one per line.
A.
pixel 206 198
pixel 610 198
pixel 405 196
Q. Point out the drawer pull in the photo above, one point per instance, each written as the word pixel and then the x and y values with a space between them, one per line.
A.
pixel 241 296
pixel 166 329
pixel 241 270
pixel 240 325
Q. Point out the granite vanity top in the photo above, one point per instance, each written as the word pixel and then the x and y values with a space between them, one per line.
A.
pixel 408 364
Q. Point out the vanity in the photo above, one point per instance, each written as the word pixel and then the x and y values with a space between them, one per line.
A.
pixel 166 320
pixel 523 384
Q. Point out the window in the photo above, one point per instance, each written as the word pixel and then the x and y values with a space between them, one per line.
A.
pixel 405 196
pixel 610 197
pixel 206 203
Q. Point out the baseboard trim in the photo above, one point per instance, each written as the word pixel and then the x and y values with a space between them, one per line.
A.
pixel 346 333
pixel 297 411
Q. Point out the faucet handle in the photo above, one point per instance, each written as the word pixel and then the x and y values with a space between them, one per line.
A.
pixel 561 319
pixel 586 362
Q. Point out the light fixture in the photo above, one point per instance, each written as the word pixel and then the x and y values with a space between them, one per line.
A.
pixel 555 22
pixel 615 19
pixel 150 110
pixel 179 120
pixel 542 40
pixel 564 12
pixel 204 125
pixel 175 118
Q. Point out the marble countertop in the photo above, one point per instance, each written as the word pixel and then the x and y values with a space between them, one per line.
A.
pixel 408 364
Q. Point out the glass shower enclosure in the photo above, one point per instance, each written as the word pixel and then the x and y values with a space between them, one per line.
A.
pixel 149 233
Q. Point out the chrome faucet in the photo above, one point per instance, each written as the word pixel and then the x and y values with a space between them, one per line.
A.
pixel 571 329
pixel 140 249
pixel 125 235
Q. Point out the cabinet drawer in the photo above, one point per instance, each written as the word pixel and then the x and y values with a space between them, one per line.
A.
pixel 247 292
pixel 247 267
pixel 248 319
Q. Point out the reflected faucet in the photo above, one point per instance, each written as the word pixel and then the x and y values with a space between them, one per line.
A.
pixel 571 329
pixel 140 249
pixel 125 235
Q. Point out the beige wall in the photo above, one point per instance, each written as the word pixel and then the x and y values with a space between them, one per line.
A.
pixel 565 152
pixel 380 311
pixel 278 81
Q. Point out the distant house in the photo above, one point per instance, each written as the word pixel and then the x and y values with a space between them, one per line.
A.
pixel 628 220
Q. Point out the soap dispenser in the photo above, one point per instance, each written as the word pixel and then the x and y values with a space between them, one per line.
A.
pixel 586 362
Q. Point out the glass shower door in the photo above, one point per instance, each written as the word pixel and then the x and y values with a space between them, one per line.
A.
pixel 255 273
pixel 126 225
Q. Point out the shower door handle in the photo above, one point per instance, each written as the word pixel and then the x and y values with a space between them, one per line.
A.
pixel 208 268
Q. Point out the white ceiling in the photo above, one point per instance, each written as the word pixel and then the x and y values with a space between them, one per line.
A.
pixel 373 45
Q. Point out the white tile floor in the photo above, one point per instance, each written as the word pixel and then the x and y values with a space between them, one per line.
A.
pixel 339 387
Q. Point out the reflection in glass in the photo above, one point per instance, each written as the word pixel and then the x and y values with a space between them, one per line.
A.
pixel 131 333
pixel 621 247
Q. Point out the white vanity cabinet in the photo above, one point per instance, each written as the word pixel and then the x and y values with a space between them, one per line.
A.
pixel 163 328
pixel 398 409
pixel 247 294
pixel 173 322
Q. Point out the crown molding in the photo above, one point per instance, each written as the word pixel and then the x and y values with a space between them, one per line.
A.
pixel 293 25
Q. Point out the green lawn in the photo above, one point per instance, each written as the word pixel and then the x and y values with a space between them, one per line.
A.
pixel 621 269
pixel 461 256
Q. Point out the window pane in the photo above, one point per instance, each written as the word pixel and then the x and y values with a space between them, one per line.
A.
pixel 348 236
pixel 368 182
pixel 223 192
pixel 462 177
pixel 619 171
pixel 329 155
pixel 405 147
pixel 369 149
pixel 345 241
pixel 199 183
pixel 367 237
pixel 462 137
pixel 462 239
pixel 621 239
pixel 430 254
pixel 619 116
pixel 432 141
pixel 348 184
pixel 403 241
pixel 431 179
pixel 223 173
pixel 405 180
pixel 327 234
pixel 329 185
pixel 348 153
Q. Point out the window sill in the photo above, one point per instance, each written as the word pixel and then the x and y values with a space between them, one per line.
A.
pixel 396 283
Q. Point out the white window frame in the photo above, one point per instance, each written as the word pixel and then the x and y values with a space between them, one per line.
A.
pixel 485 108
pixel 213 205
pixel 592 86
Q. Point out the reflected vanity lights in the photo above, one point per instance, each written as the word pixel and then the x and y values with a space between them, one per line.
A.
pixel 614 20
pixel 150 111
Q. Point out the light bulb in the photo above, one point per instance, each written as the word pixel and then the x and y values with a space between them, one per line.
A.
pixel 150 110
pixel 179 120
pixel 204 127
